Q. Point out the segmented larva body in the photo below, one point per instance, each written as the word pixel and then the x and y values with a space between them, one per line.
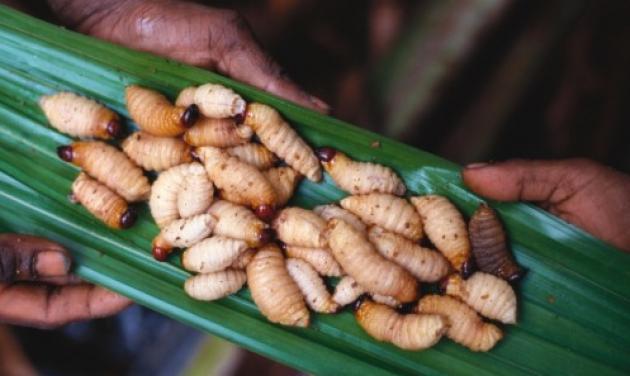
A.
pixel 186 97
pixel 217 101
pixel 155 114
pixel 186 232
pixel 489 245
pixel 387 300
pixel 320 259
pixel 110 166
pixel 220 133
pixel 255 154
pixel 273 290
pixel 102 202
pixel 216 285
pixel 491 296
pixel 80 117
pixel 359 178
pixel 466 327
pixel 156 153
pixel 212 254
pixel 387 211
pixel 180 191
pixel 425 264
pixel 331 211
pixel 244 259
pixel 238 222
pixel 409 332
pixel 445 227
pixel 284 181
pixel 347 291
pixel 360 260
pixel 300 227
pixel 312 286
pixel 278 136
pixel 246 184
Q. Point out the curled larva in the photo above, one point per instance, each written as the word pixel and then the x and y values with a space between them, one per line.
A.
pixel 347 291
pixel 182 233
pixel 215 285
pixel 217 101
pixel 220 133
pixel 255 154
pixel 244 259
pixel 246 184
pixel 446 228
pixel 300 227
pixel 359 178
pixel 80 117
pixel 312 286
pixel 278 136
pixel 212 254
pixel 110 166
pixel 156 115
pixel 186 97
pixel 196 194
pixel 284 181
pixel 387 211
pixel 466 327
pixel 273 290
pixel 238 222
pixel 489 245
pixel 321 259
pixel 102 202
pixel 156 153
pixel 331 211
pixel 491 296
pixel 409 332
pixel 360 260
pixel 425 264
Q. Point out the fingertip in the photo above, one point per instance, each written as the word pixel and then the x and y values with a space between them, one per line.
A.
pixel 52 263
pixel 106 303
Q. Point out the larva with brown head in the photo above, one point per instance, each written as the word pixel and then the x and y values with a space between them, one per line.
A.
pixel 300 227
pixel 102 202
pixel 81 117
pixel 220 133
pixel 360 260
pixel 110 166
pixel 182 233
pixel 154 153
pixel 238 222
pixel 215 285
pixel 312 286
pixel 278 136
pixel 156 115
pixel 273 290
pixel 359 178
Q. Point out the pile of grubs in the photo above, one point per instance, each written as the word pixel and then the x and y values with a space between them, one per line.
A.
pixel 220 195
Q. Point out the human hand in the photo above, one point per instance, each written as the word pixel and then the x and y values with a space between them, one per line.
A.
pixel 207 37
pixel 36 289
pixel 584 193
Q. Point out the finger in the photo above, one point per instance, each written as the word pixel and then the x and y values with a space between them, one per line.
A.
pixel 44 306
pixel 70 279
pixel 548 182
pixel 24 257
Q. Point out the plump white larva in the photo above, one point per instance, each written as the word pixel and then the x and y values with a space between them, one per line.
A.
pixel 300 227
pixel 186 97
pixel 278 136
pixel 312 286
pixel 80 117
pixel 347 291
pixel 217 101
pixel 196 194
pixel 320 259
pixel 238 222
pixel 273 290
pixel 244 259
pixel 445 227
pixel 331 211
pixel 156 153
pixel 255 154
pixel 425 264
pixel 491 296
pixel 185 232
pixel 216 285
pixel 284 181
pixel 466 327
pixel 409 332
pixel 212 254
pixel 387 211
pixel 360 260
pixel 360 178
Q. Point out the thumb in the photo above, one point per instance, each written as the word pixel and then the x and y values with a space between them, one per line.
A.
pixel 27 258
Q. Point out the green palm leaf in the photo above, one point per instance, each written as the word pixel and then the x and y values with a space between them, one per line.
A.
pixel 574 302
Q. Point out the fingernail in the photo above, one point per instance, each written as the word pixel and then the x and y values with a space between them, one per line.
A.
pixel 476 165
pixel 319 103
pixel 52 264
